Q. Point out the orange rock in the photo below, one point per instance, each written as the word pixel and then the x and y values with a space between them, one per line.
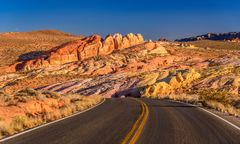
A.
pixel 118 40
pixel 150 45
pixel 9 69
pixel 78 50
pixel 125 43
pixel 108 46
pixel 140 38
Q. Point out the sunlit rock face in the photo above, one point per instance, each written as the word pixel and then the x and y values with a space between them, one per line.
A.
pixel 80 50
pixel 170 82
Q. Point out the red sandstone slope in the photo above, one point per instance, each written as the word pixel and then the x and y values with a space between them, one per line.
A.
pixel 19 46
pixel 78 50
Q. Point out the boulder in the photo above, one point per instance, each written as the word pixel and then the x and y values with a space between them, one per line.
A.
pixel 150 45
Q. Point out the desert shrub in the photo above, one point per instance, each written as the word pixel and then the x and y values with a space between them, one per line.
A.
pixel 223 108
pixel 19 123
pixel 50 94
pixel 97 58
pixel 5 129
pixel 51 116
pixel 79 105
pixel 236 70
pixel 2 94
pixel 22 99
pixel 180 97
pixel 34 121
pixel 75 99
pixel 5 97
pixel 10 101
pixel 214 95
pixel 23 96
pixel 237 104
pixel 172 72
pixel 41 97
pixel 220 100
pixel 27 92
pixel 66 111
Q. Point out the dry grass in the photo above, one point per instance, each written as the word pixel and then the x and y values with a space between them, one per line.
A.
pixel 220 100
pixel 12 45
pixel 222 45
pixel 223 108
pixel 216 99
pixel 54 106
pixel 193 99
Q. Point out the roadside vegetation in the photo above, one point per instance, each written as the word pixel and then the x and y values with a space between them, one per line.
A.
pixel 216 99
pixel 29 108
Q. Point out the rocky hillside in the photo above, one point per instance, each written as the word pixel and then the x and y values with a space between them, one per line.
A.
pixel 78 50
pixel 120 66
pixel 18 46
pixel 213 36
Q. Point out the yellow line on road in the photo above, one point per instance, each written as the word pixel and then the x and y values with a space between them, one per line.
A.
pixel 138 126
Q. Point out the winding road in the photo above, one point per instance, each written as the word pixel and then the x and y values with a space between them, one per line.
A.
pixel 141 121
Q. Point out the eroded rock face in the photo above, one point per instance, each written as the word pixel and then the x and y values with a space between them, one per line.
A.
pixel 79 50
pixel 108 46
pixel 170 82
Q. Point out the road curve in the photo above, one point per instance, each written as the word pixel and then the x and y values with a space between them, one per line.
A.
pixel 107 123
pixel 167 123
pixel 177 123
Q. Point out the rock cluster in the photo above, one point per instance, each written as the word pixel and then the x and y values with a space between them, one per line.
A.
pixel 170 82
pixel 155 48
pixel 80 50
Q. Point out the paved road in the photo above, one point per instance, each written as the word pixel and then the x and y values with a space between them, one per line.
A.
pixel 168 122
pixel 176 123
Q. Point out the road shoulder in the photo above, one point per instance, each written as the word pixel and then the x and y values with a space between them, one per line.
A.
pixel 232 120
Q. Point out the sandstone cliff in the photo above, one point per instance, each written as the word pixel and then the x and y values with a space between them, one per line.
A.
pixel 78 50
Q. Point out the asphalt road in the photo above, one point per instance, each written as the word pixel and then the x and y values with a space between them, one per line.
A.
pixel 175 123
pixel 168 122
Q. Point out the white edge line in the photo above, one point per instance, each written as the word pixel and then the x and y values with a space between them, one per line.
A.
pixel 46 124
pixel 228 122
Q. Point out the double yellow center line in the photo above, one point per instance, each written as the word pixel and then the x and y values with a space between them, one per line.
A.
pixel 138 126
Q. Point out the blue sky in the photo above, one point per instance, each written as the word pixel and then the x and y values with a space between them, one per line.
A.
pixel 153 18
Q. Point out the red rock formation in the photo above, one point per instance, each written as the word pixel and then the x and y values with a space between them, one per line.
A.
pixel 108 46
pixel 79 50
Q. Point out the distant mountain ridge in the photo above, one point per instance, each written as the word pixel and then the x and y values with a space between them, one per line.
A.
pixel 37 32
pixel 212 36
